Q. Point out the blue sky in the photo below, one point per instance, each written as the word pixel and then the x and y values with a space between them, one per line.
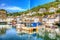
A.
pixel 39 2
pixel 21 5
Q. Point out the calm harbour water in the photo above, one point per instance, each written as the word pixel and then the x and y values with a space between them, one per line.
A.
pixel 12 35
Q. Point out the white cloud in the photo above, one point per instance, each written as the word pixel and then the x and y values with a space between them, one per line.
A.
pixel 13 8
pixel 3 4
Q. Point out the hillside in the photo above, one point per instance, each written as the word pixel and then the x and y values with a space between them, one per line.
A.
pixel 35 9
pixel 48 5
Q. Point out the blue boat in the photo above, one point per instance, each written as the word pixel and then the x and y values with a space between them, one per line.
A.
pixel 34 24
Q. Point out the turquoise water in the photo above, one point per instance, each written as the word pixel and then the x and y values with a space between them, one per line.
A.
pixel 12 35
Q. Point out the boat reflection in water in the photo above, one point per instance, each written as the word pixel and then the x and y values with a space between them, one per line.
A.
pixel 2 31
pixel 28 32
pixel 11 34
pixel 3 27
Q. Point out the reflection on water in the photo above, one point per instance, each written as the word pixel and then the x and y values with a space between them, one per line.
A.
pixel 2 31
pixel 12 35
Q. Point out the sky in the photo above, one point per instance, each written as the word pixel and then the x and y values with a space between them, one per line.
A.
pixel 21 5
pixel 39 2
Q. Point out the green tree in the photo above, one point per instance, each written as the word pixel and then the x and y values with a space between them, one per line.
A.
pixel 3 10
pixel 57 0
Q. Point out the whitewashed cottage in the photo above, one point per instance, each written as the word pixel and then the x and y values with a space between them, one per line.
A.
pixel 33 13
pixel 29 13
pixel 42 10
pixel 44 19
pixel 57 18
pixel 18 19
pixel 36 19
pixel 51 20
pixel 52 9
pixel 58 5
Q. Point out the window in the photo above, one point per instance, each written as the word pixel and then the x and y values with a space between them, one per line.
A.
pixel 3 23
pixel 34 30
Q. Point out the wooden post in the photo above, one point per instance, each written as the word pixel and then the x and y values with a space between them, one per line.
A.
pixel 36 29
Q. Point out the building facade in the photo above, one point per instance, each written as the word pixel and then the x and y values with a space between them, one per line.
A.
pixel 3 14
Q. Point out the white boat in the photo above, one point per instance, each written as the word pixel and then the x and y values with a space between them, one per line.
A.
pixel 5 25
